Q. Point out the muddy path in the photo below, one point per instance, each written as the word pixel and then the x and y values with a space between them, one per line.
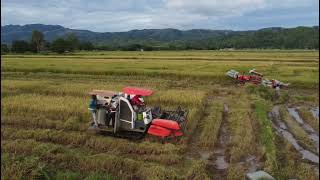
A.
pixel 216 158
pixel 283 131
pixel 193 150
pixel 218 162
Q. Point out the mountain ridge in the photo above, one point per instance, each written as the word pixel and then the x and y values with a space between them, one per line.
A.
pixel 157 37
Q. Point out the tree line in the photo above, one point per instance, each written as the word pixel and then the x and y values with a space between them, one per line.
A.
pixel 297 38
pixel 37 44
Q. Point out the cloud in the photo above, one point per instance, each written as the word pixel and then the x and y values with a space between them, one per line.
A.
pixel 215 7
pixel 113 15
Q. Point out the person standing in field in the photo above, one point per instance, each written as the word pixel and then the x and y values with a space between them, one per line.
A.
pixel 93 109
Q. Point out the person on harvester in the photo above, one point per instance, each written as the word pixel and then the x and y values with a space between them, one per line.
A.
pixel 137 102
pixel 93 109
pixel 275 84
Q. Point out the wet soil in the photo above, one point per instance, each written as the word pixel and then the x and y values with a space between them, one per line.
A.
pixel 218 159
pixel 218 162
pixel 194 151
pixel 283 131
pixel 306 127
pixel 254 163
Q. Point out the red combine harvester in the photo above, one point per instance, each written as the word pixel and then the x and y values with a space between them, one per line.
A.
pixel 256 78
pixel 124 114
pixel 253 77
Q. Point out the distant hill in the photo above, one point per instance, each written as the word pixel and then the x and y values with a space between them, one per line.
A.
pixel 10 33
pixel 157 37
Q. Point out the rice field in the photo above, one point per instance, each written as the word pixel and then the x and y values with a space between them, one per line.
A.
pixel 44 115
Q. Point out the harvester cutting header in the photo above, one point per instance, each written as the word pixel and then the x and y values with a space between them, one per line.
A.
pixel 125 112
pixel 256 78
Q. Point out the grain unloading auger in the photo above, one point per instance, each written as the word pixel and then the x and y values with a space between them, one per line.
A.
pixel 255 78
pixel 124 114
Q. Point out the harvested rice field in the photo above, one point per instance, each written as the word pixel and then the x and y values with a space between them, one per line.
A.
pixel 231 130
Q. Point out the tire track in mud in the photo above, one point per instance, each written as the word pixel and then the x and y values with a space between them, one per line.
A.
pixel 216 158
pixel 219 160
pixel 193 149
pixel 282 130
pixel 306 127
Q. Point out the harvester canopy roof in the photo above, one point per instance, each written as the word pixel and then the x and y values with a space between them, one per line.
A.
pixel 103 93
pixel 137 91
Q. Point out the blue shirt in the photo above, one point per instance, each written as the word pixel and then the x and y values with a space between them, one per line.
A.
pixel 93 104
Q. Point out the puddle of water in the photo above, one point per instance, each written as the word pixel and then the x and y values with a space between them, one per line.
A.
pixel 311 132
pixel 220 163
pixel 275 115
pixel 315 112
pixel 315 138
pixel 218 151
pixel 253 162
pixel 218 159
pixel 276 111
pixel 307 155
pixel 295 115
pixel 205 155
pixel 308 128
pixel 283 126
pixel 289 137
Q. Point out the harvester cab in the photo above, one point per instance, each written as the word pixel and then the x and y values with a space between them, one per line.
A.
pixel 122 112
pixel 133 116
pixel 116 113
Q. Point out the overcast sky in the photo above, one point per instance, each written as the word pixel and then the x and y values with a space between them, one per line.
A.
pixel 124 15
